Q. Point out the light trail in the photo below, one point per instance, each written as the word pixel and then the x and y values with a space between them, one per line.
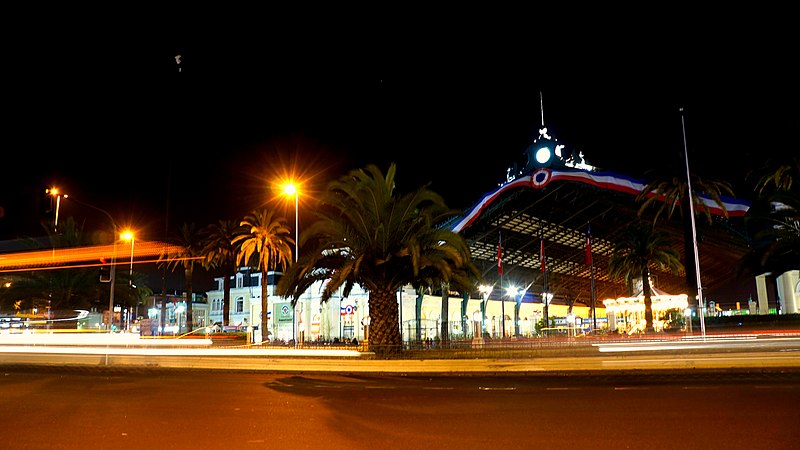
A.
pixel 66 257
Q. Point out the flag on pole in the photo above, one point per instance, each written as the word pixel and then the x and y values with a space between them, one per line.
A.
pixel 541 253
pixel 499 256
pixel 588 245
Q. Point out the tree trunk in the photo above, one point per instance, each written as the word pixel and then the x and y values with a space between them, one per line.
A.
pixel 418 313
pixel 688 260
pixel 445 315
pixel 648 302
pixel 226 295
pixel 464 319
pixel 189 297
pixel 384 331
pixel 264 306
pixel 163 316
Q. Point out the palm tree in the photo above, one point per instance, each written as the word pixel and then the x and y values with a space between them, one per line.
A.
pixel 774 219
pixel 777 175
pixel 775 247
pixel 188 239
pixel 220 253
pixel 639 247
pixel 366 234
pixel 264 241
pixel 671 193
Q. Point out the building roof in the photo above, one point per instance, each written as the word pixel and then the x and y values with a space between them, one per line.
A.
pixel 557 206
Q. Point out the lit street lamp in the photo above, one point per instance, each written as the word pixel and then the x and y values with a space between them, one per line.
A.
pixel 546 297
pixel 291 189
pixel 127 235
pixel 113 271
pixel 485 290
pixel 53 192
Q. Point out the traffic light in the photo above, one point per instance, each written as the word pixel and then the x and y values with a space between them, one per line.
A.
pixel 105 271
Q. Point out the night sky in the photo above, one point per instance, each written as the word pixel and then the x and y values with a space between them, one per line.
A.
pixel 103 112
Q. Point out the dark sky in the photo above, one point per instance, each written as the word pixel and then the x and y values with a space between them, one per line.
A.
pixel 102 112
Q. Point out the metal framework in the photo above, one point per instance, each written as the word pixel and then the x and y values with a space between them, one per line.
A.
pixel 560 213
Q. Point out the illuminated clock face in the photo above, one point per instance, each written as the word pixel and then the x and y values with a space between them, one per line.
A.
pixel 543 155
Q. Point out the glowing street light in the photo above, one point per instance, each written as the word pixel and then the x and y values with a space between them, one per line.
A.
pixel 53 192
pixel 546 298
pixel 511 291
pixel 291 189
pixel 128 235
pixel 485 290
pixel 112 275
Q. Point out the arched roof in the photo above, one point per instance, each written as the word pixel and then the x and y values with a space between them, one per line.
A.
pixel 557 206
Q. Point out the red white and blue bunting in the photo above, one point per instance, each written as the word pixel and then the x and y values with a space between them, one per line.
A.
pixel 604 180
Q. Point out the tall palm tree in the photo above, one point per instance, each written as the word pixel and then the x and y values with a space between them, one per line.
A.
pixel 777 175
pixel 775 226
pixel 220 252
pixel 365 233
pixel 264 241
pixel 668 194
pixel 774 219
pixel 189 252
pixel 639 247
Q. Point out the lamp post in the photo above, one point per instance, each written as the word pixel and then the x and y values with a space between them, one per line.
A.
pixel 53 192
pixel 514 293
pixel 291 189
pixel 485 290
pixel 546 297
pixel 112 272
pixel 128 235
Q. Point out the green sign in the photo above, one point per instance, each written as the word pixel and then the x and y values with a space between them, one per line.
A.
pixel 284 311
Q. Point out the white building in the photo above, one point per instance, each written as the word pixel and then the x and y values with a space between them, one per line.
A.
pixel 343 318
pixel 310 320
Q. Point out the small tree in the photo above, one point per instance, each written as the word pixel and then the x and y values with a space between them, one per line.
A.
pixel 639 246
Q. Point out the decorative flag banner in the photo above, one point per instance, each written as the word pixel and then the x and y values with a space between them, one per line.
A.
pixel 588 245
pixel 499 256
pixel 605 180
pixel 541 253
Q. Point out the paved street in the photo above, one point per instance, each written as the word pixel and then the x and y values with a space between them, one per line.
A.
pixel 179 409
pixel 773 354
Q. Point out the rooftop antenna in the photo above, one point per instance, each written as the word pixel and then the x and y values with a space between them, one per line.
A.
pixel 541 107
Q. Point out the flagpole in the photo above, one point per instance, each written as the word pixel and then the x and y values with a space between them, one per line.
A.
pixel 700 303
pixel 591 271
pixel 546 295
pixel 500 272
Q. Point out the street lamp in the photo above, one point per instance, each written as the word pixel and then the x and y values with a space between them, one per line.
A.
pixel 112 272
pixel 291 189
pixel 546 297
pixel 512 292
pixel 53 192
pixel 485 290
pixel 127 235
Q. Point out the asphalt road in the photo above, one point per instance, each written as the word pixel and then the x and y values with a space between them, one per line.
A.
pixel 763 354
pixel 75 408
